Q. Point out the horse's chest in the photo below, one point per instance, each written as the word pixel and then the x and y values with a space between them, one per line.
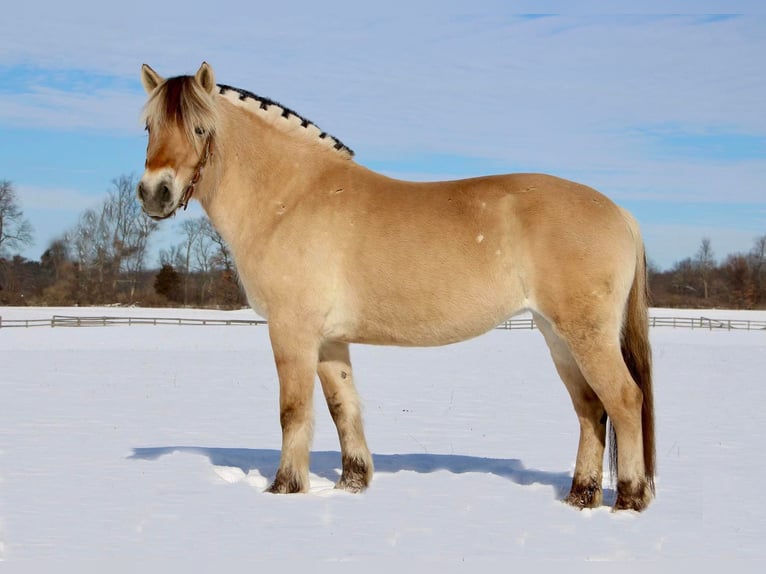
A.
pixel 255 296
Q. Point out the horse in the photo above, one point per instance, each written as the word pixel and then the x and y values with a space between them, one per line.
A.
pixel 332 253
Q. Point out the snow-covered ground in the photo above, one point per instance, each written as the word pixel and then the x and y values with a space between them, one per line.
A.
pixel 134 444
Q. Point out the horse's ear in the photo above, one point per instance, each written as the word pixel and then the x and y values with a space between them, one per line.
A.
pixel 205 77
pixel 150 79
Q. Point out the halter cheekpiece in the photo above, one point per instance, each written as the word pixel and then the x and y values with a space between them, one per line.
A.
pixel 189 191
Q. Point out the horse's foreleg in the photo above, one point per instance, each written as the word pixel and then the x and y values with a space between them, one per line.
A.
pixel 296 361
pixel 343 401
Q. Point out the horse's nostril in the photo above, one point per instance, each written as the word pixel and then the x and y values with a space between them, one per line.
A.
pixel 165 197
pixel 141 192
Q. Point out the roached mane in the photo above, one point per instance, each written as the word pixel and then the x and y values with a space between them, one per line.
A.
pixel 183 102
pixel 281 117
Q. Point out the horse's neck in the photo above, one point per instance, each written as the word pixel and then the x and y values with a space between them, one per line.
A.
pixel 255 174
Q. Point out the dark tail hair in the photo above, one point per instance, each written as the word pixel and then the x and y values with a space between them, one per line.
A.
pixel 637 355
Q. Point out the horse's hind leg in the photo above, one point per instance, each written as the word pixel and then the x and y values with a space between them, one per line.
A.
pixel 338 385
pixel 586 489
pixel 598 354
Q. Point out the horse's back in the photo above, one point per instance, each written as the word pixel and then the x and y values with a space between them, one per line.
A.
pixel 429 263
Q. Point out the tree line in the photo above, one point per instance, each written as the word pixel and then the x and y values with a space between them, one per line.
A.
pixel 737 282
pixel 102 260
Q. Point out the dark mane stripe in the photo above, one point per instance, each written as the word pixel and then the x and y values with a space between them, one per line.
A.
pixel 174 89
pixel 266 103
pixel 182 102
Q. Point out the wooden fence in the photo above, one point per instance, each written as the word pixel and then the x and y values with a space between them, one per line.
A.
pixel 674 322
pixel 513 324
pixel 75 321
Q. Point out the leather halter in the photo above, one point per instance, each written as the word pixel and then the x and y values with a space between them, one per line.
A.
pixel 189 191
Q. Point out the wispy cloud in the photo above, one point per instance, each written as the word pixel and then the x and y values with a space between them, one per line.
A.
pixel 43 107
pixel 54 199
pixel 645 106
pixel 669 143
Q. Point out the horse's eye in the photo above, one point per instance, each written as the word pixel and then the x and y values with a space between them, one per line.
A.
pixel 146 128
pixel 199 131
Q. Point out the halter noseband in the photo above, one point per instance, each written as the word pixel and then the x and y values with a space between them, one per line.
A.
pixel 189 191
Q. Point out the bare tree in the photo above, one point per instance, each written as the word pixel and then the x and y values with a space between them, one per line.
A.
pixel 222 258
pixel 191 229
pixel 739 276
pixel 225 288
pixel 204 251
pixel 55 258
pixel 109 243
pixel 130 227
pixel 90 244
pixel 704 262
pixel 201 258
pixel 205 260
pixel 757 260
pixel 15 229
pixel 172 256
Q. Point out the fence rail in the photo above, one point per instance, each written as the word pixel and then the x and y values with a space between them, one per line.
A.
pixel 674 322
pixel 513 324
pixel 707 323
pixel 103 321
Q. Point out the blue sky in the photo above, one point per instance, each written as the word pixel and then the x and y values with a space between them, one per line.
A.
pixel 659 107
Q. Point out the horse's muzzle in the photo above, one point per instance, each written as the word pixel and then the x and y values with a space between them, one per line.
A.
pixel 157 200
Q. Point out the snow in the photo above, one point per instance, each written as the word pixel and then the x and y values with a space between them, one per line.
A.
pixel 122 445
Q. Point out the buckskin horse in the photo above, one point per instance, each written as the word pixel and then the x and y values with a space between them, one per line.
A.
pixel 333 253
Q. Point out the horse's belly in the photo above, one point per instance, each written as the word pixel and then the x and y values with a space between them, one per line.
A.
pixel 418 335
pixel 430 319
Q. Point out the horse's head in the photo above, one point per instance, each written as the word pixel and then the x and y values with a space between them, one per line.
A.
pixel 180 119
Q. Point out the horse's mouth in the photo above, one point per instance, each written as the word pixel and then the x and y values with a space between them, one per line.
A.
pixel 162 217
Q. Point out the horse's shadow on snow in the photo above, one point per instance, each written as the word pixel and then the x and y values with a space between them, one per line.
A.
pixel 327 464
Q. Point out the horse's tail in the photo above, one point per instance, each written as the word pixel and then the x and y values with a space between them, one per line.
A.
pixel 637 354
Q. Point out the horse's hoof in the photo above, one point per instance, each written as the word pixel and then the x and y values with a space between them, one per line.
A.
pixel 286 485
pixel 356 476
pixel 585 495
pixel 632 496
pixel 354 485
pixel 582 500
